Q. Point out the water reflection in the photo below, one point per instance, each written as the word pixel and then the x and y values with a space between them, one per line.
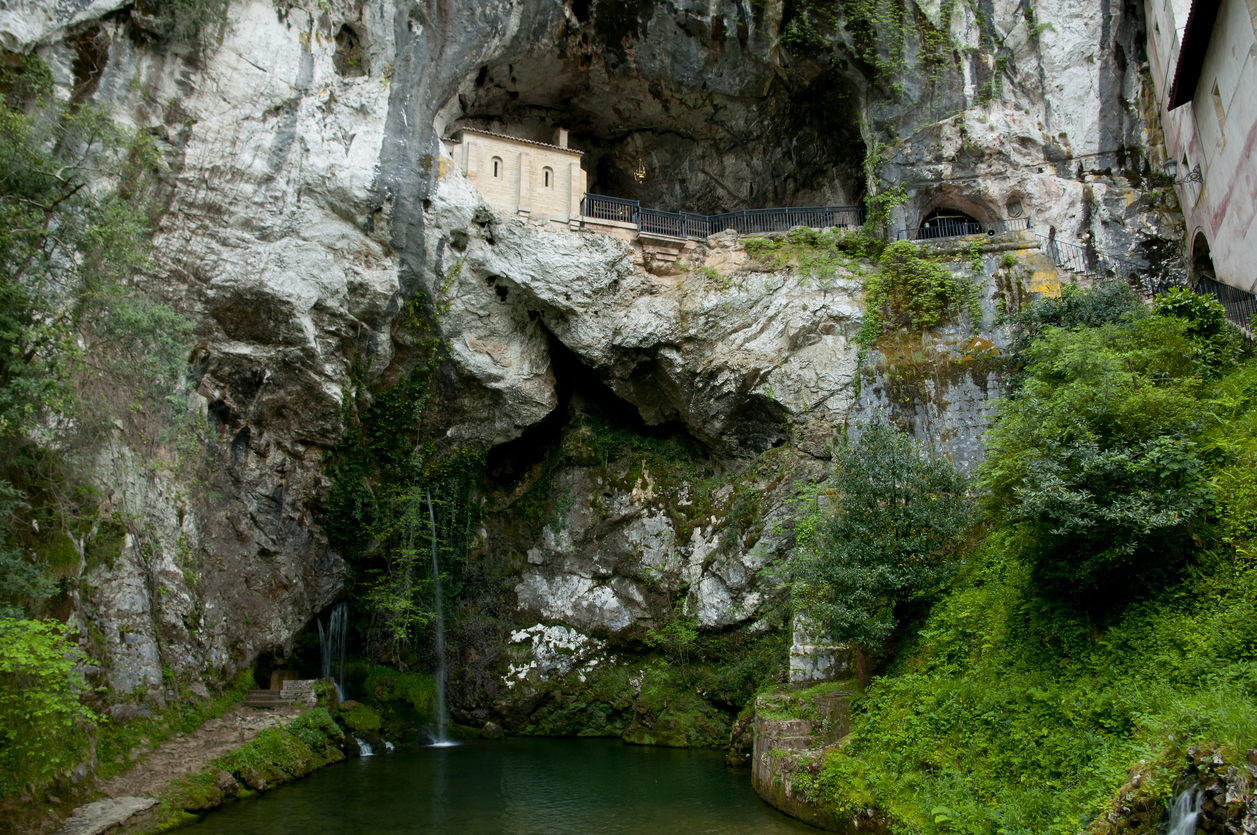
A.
pixel 514 787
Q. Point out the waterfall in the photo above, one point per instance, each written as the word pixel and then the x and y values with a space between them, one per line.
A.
pixel 1183 813
pixel 364 748
pixel 332 646
pixel 442 711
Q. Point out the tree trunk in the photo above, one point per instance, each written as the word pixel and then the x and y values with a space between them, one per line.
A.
pixel 863 664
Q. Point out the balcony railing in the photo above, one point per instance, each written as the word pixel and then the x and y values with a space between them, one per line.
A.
pixel 615 209
pixel 959 226
pixel 687 225
pixel 1240 306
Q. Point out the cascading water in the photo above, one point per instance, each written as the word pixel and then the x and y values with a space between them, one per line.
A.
pixel 364 748
pixel 1183 813
pixel 332 646
pixel 442 711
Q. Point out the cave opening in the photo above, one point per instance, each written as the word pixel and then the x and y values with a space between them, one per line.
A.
pixel 582 397
pixel 948 223
pixel 348 59
pixel 678 142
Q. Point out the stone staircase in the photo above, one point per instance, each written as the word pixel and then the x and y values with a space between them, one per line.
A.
pixel 293 692
pixel 785 747
pixel 265 699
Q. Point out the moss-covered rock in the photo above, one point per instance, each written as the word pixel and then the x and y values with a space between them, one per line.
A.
pixel 360 718
pixel 402 701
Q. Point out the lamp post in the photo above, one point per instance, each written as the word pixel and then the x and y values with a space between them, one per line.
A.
pixel 1170 167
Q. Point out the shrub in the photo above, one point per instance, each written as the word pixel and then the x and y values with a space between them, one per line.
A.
pixel 1216 346
pixel 361 718
pixel 1094 458
pixel 180 21
pixel 913 292
pixel 1108 303
pixel 896 513
pixel 316 730
pixel 43 727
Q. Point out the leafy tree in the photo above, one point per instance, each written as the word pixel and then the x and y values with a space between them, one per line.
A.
pixel 42 723
pixel 1094 458
pixel 80 347
pixel 1108 303
pixel 1216 346
pixel 82 350
pixel 888 536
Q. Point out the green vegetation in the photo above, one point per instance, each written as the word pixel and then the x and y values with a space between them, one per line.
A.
pixel 912 291
pixel 886 537
pixel 117 740
pixel 43 726
pixel 180 22
pixel 1096 460
pixel 384 473
pixel 360 718
pixel 814 254
pixel 660 699
pixel 1106 620
pixel 396 702
pixel 273 757
pixel 83 355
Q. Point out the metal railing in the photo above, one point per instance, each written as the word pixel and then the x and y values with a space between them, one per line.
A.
pixel 687 225
pixel 759 221
pixel 1090 262
pixel 958 226
pixel 610 208
pixel 1240 306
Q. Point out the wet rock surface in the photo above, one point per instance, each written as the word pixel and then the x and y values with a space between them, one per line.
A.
pixel 306 206
pixel 1214 789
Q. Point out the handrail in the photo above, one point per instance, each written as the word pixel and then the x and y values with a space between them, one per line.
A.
pixel 688 225
pixel 1077 259
pixel 615 209
pixel 958 226
pixel 1240 306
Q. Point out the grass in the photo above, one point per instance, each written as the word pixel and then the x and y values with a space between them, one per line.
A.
pixel 1009 715
pixel 814 254
pixel 273 757
pixel 117 740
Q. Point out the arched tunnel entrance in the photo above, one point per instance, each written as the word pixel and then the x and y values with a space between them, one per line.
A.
pixel 1202 260
pixel 673 142
pixel 948 223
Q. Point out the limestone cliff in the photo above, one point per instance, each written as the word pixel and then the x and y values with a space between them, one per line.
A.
pixel 308 201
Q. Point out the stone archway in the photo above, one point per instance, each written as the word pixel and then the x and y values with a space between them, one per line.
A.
pixel 1202 259
pixel 946 222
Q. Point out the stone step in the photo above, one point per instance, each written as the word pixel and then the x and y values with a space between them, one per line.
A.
pixel 265 699
pixel 795 743
pixel 789 727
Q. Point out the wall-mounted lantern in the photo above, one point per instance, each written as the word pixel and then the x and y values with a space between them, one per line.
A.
pixel 1170 167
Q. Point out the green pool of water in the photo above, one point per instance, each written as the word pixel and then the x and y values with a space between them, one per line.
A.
pixel 514 787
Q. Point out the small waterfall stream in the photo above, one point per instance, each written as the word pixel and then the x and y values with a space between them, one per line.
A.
pixel 442 710
pixel 1183 813
pixel 332 646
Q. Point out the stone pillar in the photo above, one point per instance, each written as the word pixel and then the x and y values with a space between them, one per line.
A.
pixel 524 203
pixel 469 161
pixel 576 184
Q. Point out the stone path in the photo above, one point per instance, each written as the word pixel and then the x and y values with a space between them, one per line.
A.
pixel 134 790
pixel 103 815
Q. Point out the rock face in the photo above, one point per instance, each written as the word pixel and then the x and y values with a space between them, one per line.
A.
pixel 308 203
